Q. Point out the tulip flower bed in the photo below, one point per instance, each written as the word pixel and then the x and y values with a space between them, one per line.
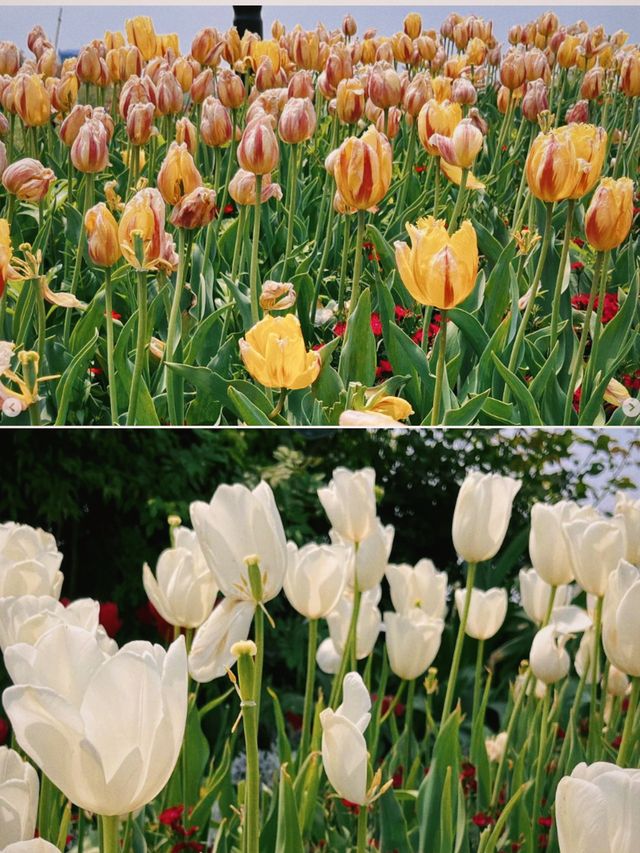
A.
pixel 156 747
pixel 218 236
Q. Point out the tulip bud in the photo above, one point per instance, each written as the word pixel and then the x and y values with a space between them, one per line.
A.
pixel 183 72
pixel 298 121
pixel 578 113
pixel 169 94
pixel 88 65
pixel 412 25
pixel 207 46
pixel 437 118
pixel 549 660
pixel 463 92
pixel 536 65
pixel 596 546
pixel 487 611
pixel 548 544
pixel 70 127
pixel 552 167
pixel 144 215
pixel 315 578
pixel 416 95
pixel 477 119
pixel 630 75
pixel 350 101
pixel 242 188
pixel 133 91
pixel 629 511
pixel 187 134
pixel 413 641
pixel 536 595
pixel 482 496
pixel 273 352
pixel 266 77
pixel 90 151
pixel 194 210
pixel 178 175
pixel 258 151
pixel 363 169
pixel 277 296
pixel 384 86
pixel 609 216
pixel 31 100
pixel 593 83
pixel 28 180
pixel 102 236
pixel 202 86
pixel 64 93
pixel 139 123
pixel 140 32
pixel 9 58
pixel 535 100
pixel 513 71
pixel 215 125
pixel 462 147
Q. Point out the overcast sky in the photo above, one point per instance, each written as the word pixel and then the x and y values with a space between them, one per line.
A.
pixel 82 23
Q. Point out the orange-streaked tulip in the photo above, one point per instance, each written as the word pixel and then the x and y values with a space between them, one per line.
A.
pixel 416 95
pixel 134 91
pixel 593 83
pixel 202 87
pixel 113 40
pixel 242 188
pixel 275 355
pixel 102 236
pixel 139 123
pixel 194 210
pixel 182 70
pixel 144 215
pixel 435 117
pixel 300 85
pixel 464 92
pixel 513 72
pixel 187 134
pixel 141 33
pixel 438 269
pixel 178 175
pixel 630 75
pixel 207 46
pixel 88 65
pixel 169 95
pixel 362 169
pixel 31 99
pixel 64 93
pixel 385 89
pixel 590 145
pixel 70 127
pixel 535 100
pixel 6 253
pixel 298 121
pixel 277 296
pixel 90 149
pixel 552 167
pixel 462 147
pixel 216 129
pixel 567 52
pixel 578 113
pixel 608 219
pixel 28 179
pixel 258 150
pixel 350 101
pixel 9 58
pixel 349 26
pixel 231 90
pixel 412 25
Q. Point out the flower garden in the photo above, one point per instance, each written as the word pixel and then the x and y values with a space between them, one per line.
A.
pixel 321 227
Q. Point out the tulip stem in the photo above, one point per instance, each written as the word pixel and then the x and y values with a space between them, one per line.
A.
pixel 408 725
pixel 457 652
pixel 627 743
pixel 459 201
pixel 533 292
pixel 258 633
pixel 111 373
pixel 440 367
pixel 436 196
pixel 537 787
pixel 346 245
pixel 578 360
pixel 307 713
pixel 75 281
pixel 513 718
pixel 253 274
pixel 592 741
pixel 590 374
pixel 109 836
pixel 277 409
pixel 235 264
pixel 477 684
pixel 408 166
pixel 292 184
pixel 426 322
pixel 174 383
pixel 557 293
pixel 349 653
pixel 362 830
pixel 140 347
pixel 357 263
pixel 249 692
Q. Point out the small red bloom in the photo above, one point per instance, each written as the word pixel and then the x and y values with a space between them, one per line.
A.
pixel 172 815
pixel 294 720
pixel 420 169
pixel 4 731
pixel 384 368
pixel 339 329
pixel 353 807
pixel 376 324
pixel 578 241
pixel 545 822
pixel 481 819
pixel 577 266
pixel 615 743
pixel 401 312
pixel 397 777
pixel 95 371
pixel 110 617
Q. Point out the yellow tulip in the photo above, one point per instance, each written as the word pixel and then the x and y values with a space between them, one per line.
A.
pixel 5 254
pixel 392 407
pixel 362 169
pixel 144 215
pixel 438 269
pixel 610 214
pixel 178 175
pixel 274 354
pixel 141 34
pixel 590 144
pixel 454 174
pixel 31 100
pixel 102 236
pixel 435 117
pixel 552 166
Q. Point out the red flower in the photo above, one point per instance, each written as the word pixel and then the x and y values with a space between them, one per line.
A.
pixel 545 822
pixel 294 720
pixel 401 312
pixel 339 329
pixel 4 731
pixel 417 337
pixel 580 301
pixel 481 819
pixel 187 845
pixel 397 777
pixel 353 807
pixel 229 209
pixel 384 368
pixel 543 841
pixel 376 324
pixel 110 617
pixel 420 169
pixel 95 371
pixel 578 241
pixel 172 815
pixel 615 743
pixel 578 266
pixel 115 315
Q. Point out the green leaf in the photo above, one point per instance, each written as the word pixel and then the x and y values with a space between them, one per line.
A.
pixel 358 356
pixel 248 411
pixel 468 412
pixel 393 826
pixel 289 837
pixel 432 800
pixel 470 328
pixel 529 413
pixel 284 747
pixel 77 368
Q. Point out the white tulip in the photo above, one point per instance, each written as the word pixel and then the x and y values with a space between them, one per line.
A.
pixel 316 577
pixel 29 561
pixel 413 641
pixel 596 809
pixel 548 659
pixel 210 656
pixel 24 619
pixel 350 502
pixel 535 593
pixel 344 749
pixel 620 622
pixel 418 586
pixel 237 526
pixel 617 682
pixel 629 510
pixel 596 546
pixel 370 556
pixel 183 590
pixel 487 611
pixel 482 515
pixel 105 728
pixel 496 746
pixel 583 660
pixel 18 798
pixel 368 625
pixel 327 657
pixel 35 845
pixel 570 619
pixel 548 544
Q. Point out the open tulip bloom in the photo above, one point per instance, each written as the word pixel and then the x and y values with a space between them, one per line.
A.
pixel 453 215
pixel 163 741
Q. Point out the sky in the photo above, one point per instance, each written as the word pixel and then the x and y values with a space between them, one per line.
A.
pixel 81 23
